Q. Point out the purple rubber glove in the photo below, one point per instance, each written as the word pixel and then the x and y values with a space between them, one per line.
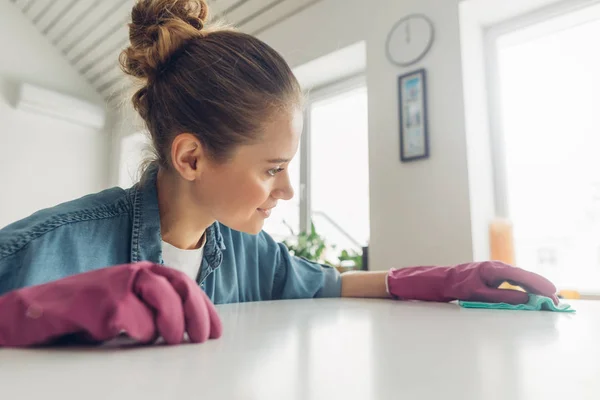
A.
pixel 143 300
pixel 477 281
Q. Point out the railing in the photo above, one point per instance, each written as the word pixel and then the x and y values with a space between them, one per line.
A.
pixel 337 226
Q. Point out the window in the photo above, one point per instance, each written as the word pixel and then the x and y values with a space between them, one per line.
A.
pixel 339 169
pixel 549 80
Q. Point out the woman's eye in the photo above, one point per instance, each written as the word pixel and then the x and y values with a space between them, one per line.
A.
pixel 274 171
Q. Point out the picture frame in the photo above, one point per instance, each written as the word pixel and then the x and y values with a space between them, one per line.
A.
pixel 414 123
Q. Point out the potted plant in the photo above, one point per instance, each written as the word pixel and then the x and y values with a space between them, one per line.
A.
pixel 310 246
pixel 313 247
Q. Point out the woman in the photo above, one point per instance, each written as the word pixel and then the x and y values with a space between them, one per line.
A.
pixel 224 113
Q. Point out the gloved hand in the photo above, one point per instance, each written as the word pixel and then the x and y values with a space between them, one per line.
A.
pixel 477 281
pixel 143 300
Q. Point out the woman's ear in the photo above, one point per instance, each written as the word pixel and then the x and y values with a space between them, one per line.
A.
pixel 187 156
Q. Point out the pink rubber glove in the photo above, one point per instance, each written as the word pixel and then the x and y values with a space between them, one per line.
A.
pixel 143 300
pixel 476 281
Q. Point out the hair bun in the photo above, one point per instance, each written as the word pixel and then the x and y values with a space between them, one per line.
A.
pixel 158 29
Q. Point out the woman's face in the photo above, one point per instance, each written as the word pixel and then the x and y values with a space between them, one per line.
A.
pixel 241 192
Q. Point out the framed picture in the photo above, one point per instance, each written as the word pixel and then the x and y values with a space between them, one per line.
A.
pixel 414 135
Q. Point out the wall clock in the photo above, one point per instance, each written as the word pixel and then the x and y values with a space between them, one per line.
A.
pixel 409 40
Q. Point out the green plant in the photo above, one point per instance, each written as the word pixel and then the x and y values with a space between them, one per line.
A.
pixel 308 245
pixel 312 246
pixel 353 256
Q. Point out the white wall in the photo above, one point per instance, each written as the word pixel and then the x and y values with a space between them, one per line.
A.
pixel 426 209
pixel 325 27
pixel 42 161
pixel 419 211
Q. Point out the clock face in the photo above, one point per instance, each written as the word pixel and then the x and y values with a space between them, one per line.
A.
pixel 409 40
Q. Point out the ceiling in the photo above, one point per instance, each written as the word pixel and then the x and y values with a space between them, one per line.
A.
pixel 91 33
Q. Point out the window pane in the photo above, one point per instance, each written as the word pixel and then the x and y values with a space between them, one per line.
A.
pixel 340 170
pixel 549 89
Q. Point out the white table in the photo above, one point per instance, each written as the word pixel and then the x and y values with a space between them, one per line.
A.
pixel 336 349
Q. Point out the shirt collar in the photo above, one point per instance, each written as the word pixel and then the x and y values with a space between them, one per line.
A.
pixel 146 240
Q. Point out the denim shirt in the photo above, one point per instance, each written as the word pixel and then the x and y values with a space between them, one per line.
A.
pixel 119 226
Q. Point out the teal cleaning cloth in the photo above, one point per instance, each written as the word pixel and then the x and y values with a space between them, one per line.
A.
pixel 535 303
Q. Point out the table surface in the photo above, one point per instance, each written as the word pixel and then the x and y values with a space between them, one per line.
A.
pixel 335 349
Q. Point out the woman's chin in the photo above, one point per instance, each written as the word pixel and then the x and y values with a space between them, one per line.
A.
pixel 251 227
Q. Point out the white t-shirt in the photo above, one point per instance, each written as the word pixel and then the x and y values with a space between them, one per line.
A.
pixel 186 261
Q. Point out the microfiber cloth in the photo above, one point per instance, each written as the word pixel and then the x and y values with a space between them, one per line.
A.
pixel 535 303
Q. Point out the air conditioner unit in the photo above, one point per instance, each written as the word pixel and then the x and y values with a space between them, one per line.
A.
pixel 38 100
